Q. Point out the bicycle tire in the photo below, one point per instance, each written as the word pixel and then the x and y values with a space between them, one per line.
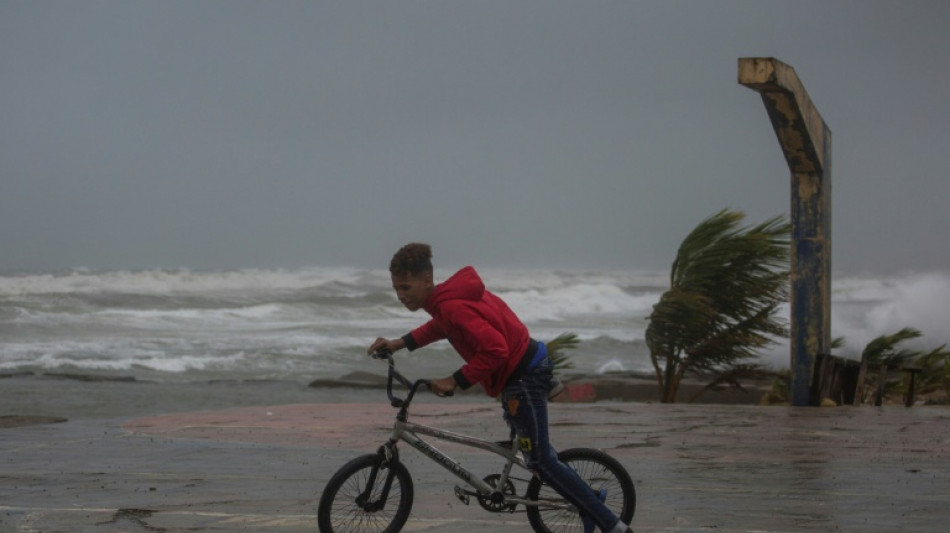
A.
pixel 338 511
pixel 601 472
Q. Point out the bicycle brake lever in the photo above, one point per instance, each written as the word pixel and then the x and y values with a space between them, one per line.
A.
pixel 382 353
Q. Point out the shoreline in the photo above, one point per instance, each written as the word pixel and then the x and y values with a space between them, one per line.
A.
pixel 622 386
pixel 29 398
pixel 49 397
pixel 615 386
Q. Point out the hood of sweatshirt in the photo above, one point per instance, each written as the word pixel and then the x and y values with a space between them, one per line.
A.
pixel 463 285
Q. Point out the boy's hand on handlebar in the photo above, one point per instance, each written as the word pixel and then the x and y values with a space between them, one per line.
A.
pixel 381 344
pixel 443 387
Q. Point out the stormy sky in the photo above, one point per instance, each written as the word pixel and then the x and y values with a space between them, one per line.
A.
pixel 288 134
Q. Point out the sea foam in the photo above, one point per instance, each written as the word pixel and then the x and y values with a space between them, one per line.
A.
pixel 303 324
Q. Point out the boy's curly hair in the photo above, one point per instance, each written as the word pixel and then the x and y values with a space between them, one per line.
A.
pixel 414 259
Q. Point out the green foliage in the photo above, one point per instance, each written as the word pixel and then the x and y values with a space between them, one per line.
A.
pixel 837 343
pixel 558 347
pixel 883 350
pixel 882 355
pixel 781 386
pixel 726 284
pixel 935 371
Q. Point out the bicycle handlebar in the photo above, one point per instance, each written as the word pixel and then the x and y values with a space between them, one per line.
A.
pixel 394 374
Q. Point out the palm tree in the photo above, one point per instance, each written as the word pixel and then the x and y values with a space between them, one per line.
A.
pixel 882 354
pixel 935 371
pixel 557 348
pixel 725 286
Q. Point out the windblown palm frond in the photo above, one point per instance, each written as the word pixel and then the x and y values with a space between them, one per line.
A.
pixel 935 370
pixel 556 348
pixel 883 350
pixel 726 284
pixel 881 357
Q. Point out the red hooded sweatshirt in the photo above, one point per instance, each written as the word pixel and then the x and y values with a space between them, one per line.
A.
pixel 479 325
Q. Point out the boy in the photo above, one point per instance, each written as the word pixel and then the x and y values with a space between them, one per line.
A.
pixel 499 355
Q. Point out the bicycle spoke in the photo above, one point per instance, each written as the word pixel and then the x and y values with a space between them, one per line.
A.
pixel 341 508
pixel 602 473
pixel 352 514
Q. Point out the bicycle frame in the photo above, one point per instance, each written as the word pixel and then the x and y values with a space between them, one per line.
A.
pixel 410 432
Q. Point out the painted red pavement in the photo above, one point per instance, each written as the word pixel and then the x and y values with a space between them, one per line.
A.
pixel 324 425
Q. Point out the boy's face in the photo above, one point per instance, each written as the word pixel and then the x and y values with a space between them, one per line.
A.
pixel 411 290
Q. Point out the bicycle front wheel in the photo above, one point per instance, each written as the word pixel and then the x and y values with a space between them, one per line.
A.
pixel 599 470
pixel 354 501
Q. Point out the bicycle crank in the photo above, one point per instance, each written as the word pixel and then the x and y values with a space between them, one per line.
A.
pixel 495 502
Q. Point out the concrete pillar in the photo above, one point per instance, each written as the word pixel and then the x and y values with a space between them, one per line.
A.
pixel 806 142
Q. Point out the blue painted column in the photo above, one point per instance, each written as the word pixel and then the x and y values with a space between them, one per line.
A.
pixel 806 142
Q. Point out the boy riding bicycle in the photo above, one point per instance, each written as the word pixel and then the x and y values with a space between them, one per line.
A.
pixel 501 356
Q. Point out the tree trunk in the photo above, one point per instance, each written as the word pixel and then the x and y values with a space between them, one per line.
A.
pixel 673 384
pixel 882 380
pixel 859 392
pixel 659 374
pixel 669 383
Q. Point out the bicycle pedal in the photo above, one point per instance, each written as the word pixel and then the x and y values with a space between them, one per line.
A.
pixel 462 495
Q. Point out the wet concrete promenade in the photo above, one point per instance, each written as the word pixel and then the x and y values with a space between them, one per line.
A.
pixel 696 467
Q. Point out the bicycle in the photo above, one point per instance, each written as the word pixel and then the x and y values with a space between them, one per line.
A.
pixel 373 493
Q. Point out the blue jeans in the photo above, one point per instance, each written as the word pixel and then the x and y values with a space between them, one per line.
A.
pixel 525 402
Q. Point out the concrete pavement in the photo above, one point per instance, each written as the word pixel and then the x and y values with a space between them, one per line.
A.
pixel 696 467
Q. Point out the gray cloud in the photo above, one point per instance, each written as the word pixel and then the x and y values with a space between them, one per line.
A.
pixel 284 134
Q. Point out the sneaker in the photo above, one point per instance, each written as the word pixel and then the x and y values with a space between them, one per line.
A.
pixel 556 388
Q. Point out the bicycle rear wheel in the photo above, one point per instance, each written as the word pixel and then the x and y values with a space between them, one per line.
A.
pixel 599 470
pixel 345 508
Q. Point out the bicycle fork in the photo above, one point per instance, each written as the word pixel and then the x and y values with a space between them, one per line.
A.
pixel 388 454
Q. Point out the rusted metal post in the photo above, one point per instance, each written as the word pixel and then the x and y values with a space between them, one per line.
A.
pixel 806 142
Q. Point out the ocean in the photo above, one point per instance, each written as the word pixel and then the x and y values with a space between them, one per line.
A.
pixel 301 325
